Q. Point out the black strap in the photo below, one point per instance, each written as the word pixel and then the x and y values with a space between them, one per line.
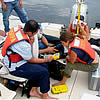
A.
pixel 9 60
pixel 11 51
pixel 1 45
pixel 9 56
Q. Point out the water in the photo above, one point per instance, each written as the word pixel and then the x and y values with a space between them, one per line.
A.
pixel 58 11
pixel 54 11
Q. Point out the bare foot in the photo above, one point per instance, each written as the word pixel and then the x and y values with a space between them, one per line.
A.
pixel 46 96
pixel 35 93
pixel 57 84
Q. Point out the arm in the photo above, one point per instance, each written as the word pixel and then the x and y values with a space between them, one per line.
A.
pixel 48 50
pixel 72 57
pixel 43 51
pixel 69 27
pixel 83 32
pixel 44 40
pixel 23 48
pixel 2 2
pixel 4 6
pixel 38 60
pixel 87 31
pixel 20 4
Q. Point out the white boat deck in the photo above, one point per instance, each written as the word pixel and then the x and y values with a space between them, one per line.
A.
pixel 77 84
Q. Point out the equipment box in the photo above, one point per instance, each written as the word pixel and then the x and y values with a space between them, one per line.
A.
pixel 94 79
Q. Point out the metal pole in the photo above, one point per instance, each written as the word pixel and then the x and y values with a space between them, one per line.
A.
pixel 78 18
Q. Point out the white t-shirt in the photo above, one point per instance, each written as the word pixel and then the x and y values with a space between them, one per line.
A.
pixel 24 49
pixel 8 0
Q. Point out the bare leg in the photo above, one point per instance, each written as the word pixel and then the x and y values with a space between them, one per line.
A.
pixel 46 96
pixel 35 93
pixel 62 82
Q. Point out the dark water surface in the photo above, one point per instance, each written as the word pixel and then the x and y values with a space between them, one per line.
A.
pixel 58 11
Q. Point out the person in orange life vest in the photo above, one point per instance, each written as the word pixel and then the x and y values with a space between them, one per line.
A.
pixel 81 56
pixel 18 59
pixel 72 27
pixel 43 39
pixel 92 41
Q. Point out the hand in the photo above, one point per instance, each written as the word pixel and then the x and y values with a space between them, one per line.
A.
pixel 20 4
pixel 51 50
pixel 4 6
pixel 50 58
pixel 78 24
pixel 67 58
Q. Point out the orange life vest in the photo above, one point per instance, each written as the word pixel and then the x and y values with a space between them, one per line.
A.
pixel 74 28
pixel 15 35
pixel 84 45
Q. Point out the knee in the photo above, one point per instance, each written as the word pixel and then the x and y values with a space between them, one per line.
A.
pixel 45 73
pixel 93 69
pixel 68 70
pixel 5 19
pixel 69 66
pixel 24 18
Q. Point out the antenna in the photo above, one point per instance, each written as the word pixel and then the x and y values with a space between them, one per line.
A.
pixel 78 17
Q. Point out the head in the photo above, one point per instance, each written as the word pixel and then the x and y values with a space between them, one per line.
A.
pixel 66 38
pixel 31 28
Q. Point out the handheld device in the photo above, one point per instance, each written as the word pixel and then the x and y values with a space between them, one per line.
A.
pixel 55 56
pixel 59 89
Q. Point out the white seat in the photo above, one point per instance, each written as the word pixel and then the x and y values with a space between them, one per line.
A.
pixel 12 77
pixel 6 94
pixel 4 73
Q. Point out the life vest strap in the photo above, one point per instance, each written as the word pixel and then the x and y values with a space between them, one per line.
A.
pixel 13 57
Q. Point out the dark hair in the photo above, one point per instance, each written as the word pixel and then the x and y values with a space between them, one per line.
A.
pixel 65 36
pixel 31 26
